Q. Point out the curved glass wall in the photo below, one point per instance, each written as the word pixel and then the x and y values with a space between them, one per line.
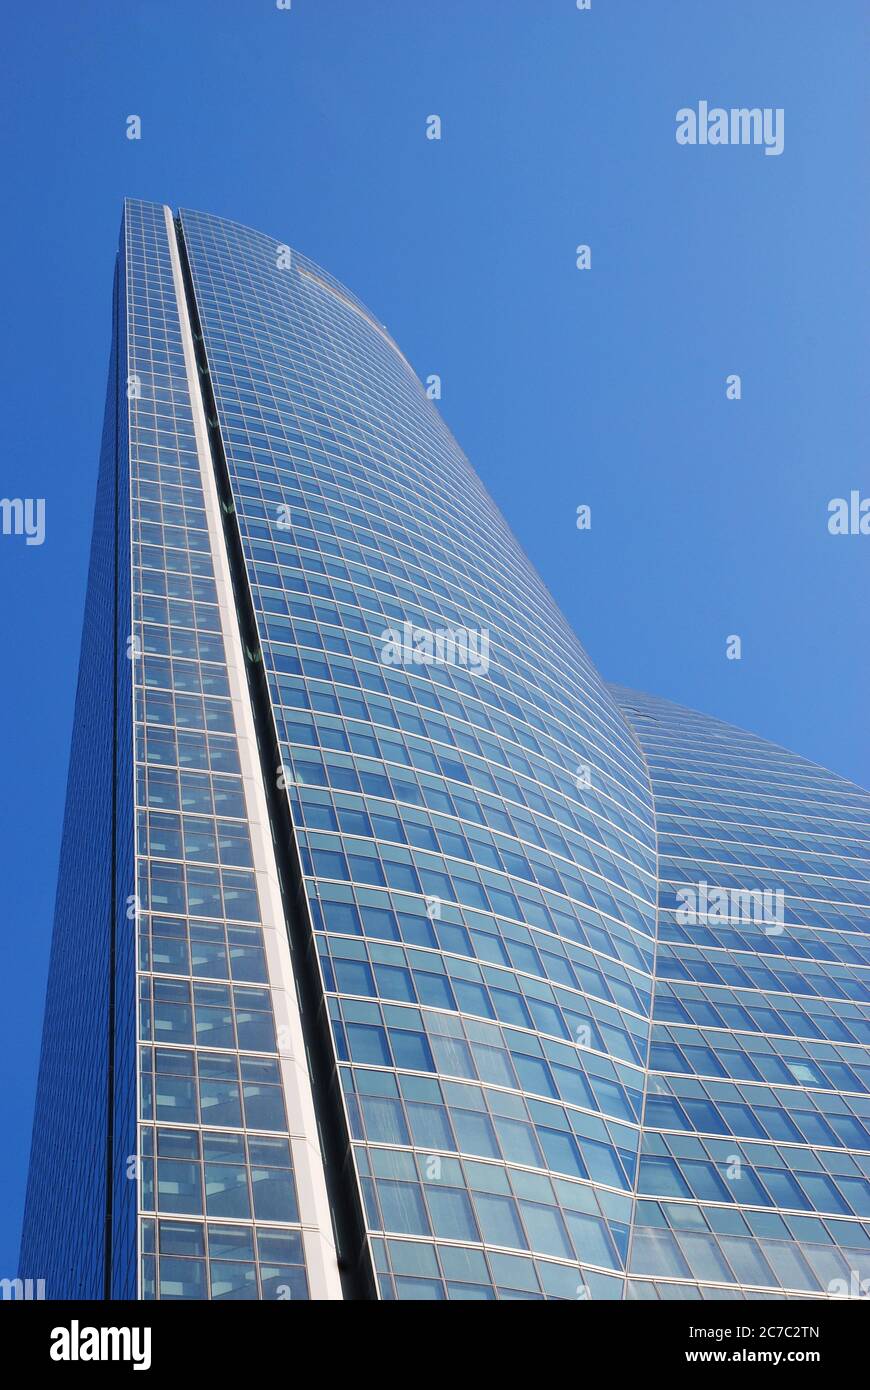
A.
pixel 756 1150
pixel 473 817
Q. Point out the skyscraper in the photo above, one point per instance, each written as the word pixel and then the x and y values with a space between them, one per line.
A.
pixel 396 954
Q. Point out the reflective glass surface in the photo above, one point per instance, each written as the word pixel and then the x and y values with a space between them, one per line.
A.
pixel 756 1150
pixel 477 844
pixel 80 1207
pixel 214 1142
pixel 593 967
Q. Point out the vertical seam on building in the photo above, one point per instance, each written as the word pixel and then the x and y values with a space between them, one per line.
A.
pixel 317 1211
pixel 635 1191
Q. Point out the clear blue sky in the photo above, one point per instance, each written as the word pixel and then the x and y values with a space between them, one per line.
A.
pixel 564 387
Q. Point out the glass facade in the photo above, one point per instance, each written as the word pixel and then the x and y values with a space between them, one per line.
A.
pixel 461 974
pixel 756 1151
pixel 79 1203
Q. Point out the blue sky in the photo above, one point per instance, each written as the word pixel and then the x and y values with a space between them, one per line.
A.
pixel 603 387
